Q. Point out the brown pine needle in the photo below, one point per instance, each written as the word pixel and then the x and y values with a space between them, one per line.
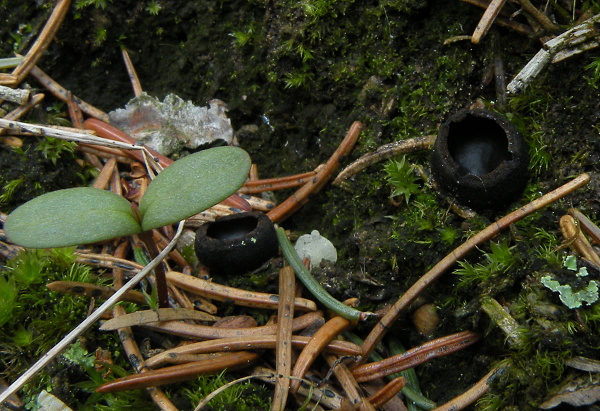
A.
pixel 283 349
pixel 326 333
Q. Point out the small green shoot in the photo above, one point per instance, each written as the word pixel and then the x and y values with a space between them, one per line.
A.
pixel 499 260
pixel 153 7
pixel 244 396
pixel 54 148
pixel 8 298
pixel 9 189
pixel 594 67
pixel 400 175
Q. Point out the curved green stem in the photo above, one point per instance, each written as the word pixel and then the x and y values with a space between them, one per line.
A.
pixel 313 285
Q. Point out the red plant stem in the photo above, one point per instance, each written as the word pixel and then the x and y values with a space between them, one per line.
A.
pixel 105 130
pixel 415 356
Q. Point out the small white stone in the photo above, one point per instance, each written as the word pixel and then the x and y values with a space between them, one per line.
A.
pixel 316 248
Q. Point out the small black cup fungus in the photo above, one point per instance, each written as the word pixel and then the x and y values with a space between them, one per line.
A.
pixel 236 243
pixel 480 159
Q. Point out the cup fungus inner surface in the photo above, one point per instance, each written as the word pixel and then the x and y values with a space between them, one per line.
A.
pixel 478 145
pixel 232 230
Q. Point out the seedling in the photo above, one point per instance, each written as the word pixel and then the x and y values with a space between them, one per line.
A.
pixel 87 215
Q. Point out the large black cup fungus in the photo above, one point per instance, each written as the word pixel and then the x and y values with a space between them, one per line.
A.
pixel 480 159
pixel 236 243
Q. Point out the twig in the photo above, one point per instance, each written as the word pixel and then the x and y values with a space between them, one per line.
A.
pixel 575 36
pixel 443 265
pixel 18 112
pixel 385 152
pixel 94 291
pixel 486 20
pixel 328 397
pixel 18 96
pixel 300 197
pixel 273 184
pixel 415 356
pixel 587 225
pixel 101 182
pixel 88 322
pixel 283 349
pixel 503 21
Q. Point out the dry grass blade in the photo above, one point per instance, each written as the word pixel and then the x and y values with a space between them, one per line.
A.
pixel 326 333
pixel 222 388
pixel 443 265
pixel 159 314
pixel 283 349
pixel 245 298
pixel 245 343
pixel 182 372
pixel 203 332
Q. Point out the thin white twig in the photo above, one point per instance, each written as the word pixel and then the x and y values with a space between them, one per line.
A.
pixel 88 322
pixel 61 133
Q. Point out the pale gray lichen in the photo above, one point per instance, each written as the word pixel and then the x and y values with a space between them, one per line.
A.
pixel 169 125
pixel 570 298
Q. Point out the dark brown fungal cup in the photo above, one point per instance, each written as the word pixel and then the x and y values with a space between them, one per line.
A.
pixel 236 243
pixel 480 159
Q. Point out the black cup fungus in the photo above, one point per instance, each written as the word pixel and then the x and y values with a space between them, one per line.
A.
pixel 480 159
pixel 236 243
